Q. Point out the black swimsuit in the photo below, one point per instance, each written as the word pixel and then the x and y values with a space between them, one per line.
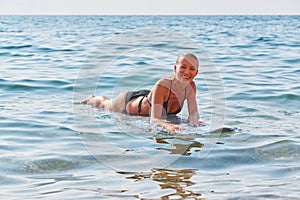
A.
pixel 135 94
pixel 165 104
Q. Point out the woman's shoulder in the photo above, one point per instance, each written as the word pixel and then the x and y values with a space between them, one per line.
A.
pixel 165 80
pixel 191 88
pixel 163 83
pixel 193 84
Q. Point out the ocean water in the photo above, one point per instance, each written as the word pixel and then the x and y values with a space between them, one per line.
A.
pixel 51 147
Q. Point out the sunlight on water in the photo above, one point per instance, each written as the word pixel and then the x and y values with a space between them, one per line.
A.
pixel 52 147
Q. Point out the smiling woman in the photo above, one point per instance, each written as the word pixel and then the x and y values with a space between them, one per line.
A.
pixel 165 98
pixel 249 80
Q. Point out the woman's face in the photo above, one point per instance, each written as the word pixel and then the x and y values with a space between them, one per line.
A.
pixel 186 69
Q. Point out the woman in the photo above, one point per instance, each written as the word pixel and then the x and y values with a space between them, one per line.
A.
pixel 165 98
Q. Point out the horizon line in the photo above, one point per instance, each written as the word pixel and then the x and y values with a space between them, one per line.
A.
pixel 150 14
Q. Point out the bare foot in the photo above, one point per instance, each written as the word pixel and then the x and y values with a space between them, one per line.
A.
pixel 87 100
pixel 99 101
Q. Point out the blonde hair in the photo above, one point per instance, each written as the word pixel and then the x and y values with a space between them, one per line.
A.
pixel 191 55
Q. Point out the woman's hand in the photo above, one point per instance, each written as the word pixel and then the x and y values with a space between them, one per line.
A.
pixel 197 123
pixel 194 120
pixel 171 127
pixel 167 125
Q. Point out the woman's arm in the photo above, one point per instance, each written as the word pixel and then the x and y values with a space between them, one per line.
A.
pixel 192 106
pixel 159 92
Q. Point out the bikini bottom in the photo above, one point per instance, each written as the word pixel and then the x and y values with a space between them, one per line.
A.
pixel 135 94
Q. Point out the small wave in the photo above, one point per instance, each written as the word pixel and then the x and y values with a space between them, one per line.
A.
pixel 280 150
pixel 227 33
pixel 44 180
pixel 243 46
pixel 292 60
pixel 22 55
pixel 296 71
pixel 263 97
pixel 265 39
pixel 160 45
pixel 48 165
pixel 48 49
pixel 28 84
pixel 20 86
pixel 280 97
pixel 5 54
pixel 16 47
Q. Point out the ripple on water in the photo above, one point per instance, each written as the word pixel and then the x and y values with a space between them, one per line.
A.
pixel 17 47
pixel 174 182
pixel 49 165
pixel 41 153
pixel 285 98
pixel 30 85
pixel 283 150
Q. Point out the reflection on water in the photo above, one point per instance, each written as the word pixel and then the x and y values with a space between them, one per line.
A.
pixel 181 147
pixel 49 151
pixel 175 179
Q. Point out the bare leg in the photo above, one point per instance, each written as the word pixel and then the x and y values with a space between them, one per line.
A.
pixel 87 100
pixel 99 101
pixel 117 104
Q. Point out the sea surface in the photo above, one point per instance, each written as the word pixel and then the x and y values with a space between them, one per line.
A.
pixel 52 147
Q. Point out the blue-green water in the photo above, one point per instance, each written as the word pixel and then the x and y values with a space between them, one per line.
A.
pixel 53 148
